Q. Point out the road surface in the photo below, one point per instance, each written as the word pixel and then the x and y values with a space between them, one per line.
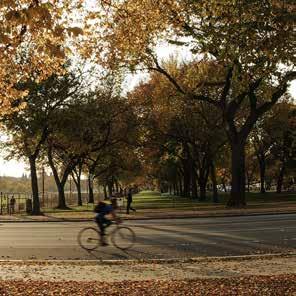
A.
pixel 168 238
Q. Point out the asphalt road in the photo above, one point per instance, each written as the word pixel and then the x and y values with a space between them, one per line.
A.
pixel 168 238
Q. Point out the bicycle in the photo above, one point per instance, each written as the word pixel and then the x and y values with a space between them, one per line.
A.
pixel 122 237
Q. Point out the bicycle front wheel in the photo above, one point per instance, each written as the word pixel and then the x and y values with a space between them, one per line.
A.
pixel 88 238
pixel 123 238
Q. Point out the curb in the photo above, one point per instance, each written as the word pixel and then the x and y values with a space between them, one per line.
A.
pixel 154 218
pixel 267 256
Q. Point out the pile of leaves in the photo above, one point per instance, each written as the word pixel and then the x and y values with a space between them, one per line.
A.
pixel 263 285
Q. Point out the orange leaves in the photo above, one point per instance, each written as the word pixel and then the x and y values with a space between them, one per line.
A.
pixel 32 38
pixel 249 286
pixel 254 33
pixel 127 31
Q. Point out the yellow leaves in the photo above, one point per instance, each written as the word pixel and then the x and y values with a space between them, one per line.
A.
pixel 126 31
pixel 222 29
pixel 32 38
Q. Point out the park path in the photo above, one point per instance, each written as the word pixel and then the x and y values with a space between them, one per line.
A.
pixel 149 270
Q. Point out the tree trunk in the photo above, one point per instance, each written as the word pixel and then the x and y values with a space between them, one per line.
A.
pixel 116 186
pixel 78 187
pixel 186 178
pixel 202 182
pixel 90 189
pixel 62 198
pixel 202 191
pixel 59 183
pixel 248 181
pixel 280 180
pixel 194 183
pixel 177 188
pixel 113 185
pixel 194 189
pixel 214 182
pixel 76 175
pixel 34 185
pixel 110 187
pixel 180 187
pixel 79 195
pixel 237 197
pixel 261 161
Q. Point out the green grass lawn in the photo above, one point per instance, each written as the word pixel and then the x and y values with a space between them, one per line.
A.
pixel 148 199
pixel 268 197
pixel 84 208
pixel 155 200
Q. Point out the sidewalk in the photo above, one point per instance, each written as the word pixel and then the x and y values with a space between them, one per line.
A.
pixel 168 213
pixel 246 275
pixel 120 270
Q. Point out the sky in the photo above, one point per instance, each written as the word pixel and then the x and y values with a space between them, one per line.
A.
pixel 16 168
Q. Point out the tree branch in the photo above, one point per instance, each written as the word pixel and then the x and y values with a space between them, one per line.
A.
pixel 227 86
pixel 280 90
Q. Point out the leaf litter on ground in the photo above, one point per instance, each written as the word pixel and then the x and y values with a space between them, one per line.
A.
pixel 282 285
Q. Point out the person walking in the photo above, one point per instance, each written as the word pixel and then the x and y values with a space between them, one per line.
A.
pixel 12 205
pixel 129 201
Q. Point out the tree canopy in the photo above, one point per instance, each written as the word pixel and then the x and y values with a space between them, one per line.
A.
pixel 33 36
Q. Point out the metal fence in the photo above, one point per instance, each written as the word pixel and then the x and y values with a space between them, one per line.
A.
pixel 12 203
pixel 49 200
pixel 15 203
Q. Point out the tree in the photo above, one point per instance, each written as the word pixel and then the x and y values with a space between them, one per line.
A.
pixel 241 46
pixel 118 127
pixel 76 175
pixel 262 143
pixel 105 122
pixel 251 165
pixel 29 128
pixel 32 41
pixel 280 126
pixel 189 135
pixel 68 143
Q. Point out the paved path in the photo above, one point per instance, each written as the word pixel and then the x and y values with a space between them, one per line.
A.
pixel 156 238
pixel 138 271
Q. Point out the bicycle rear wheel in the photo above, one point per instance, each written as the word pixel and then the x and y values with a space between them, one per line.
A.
pixel 88 238
pixel 123 238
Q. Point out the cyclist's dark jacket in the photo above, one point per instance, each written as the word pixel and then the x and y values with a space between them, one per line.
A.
pixel 103 209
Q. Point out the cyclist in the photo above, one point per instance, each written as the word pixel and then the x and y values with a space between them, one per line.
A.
pixel 102 209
